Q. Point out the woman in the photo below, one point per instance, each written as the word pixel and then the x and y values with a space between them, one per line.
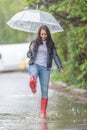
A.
pixel 41 52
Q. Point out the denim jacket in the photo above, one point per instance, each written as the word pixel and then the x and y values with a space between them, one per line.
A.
pixel 50 56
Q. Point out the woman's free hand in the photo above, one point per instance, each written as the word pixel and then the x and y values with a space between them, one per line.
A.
pixel 62 71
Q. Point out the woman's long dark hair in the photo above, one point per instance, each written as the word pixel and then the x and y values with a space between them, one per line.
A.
pixel 49 40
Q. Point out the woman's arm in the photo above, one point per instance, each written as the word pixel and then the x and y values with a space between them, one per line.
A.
pixel 57 60
pixel 30 50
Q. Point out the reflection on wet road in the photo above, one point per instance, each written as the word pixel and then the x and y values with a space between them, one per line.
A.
pixel 20 109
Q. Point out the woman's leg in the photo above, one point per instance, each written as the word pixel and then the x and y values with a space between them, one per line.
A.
pixel 44 82
pixel 44 77
pixel 33 71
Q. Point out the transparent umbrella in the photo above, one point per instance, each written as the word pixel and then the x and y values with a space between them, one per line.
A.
pixel 31 20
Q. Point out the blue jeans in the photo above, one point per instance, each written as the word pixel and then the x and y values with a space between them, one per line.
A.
pixel 44 76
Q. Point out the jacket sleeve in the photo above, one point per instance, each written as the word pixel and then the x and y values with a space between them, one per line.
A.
pixel 57 59
pixel 29 52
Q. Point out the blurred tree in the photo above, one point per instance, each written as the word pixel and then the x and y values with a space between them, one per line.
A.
pixel 7 9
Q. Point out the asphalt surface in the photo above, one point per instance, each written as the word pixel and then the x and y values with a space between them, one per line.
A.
pixel 20 109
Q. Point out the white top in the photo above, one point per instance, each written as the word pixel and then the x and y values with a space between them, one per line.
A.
pixel 41 58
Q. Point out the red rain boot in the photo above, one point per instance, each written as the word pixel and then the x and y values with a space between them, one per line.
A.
pixel 44 102
pixel 33 84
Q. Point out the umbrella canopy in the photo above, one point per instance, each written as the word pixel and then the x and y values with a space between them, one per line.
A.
pixel 31 20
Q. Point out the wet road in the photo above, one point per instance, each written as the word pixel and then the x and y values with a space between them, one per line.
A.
pixel 20 109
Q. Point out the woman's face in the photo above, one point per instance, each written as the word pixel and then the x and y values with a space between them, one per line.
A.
pixel 43 35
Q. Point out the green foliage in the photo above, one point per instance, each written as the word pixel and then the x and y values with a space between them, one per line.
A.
pixel 60 43
pixel 33 4
pixel 77 49
pixel 9 8
pixel 78 8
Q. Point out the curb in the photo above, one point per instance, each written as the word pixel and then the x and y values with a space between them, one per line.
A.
pixel 77 94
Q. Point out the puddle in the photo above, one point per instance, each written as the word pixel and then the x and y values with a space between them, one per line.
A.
pixel 20 110
pixel 62 114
